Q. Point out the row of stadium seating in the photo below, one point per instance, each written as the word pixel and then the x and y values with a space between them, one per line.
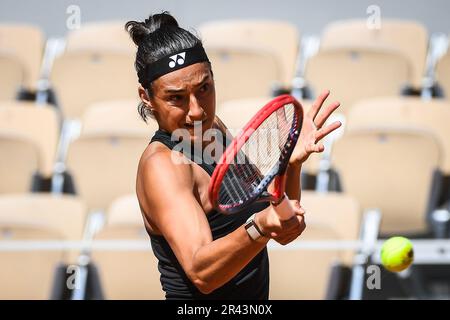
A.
pixel 354 61
pixel 131 272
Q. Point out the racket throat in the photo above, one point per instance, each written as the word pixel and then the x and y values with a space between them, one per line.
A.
pixel 276 193
pixel 279 184
pixel 268 197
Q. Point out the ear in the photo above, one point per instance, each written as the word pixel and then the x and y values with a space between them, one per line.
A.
pixel 144 96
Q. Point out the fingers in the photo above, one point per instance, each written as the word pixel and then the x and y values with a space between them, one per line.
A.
pixel 293 226
pixel 315 147
pixel 298 209
pixel 312 113
pixel 319 147
pixel 323 132
pixel 302 211
pixel 285 231
pixel 295 204
pixel 288 227
pixel 323 116
pixel 287 237
pixel 291 223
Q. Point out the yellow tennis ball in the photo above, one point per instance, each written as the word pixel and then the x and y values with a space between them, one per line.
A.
pixel 397 254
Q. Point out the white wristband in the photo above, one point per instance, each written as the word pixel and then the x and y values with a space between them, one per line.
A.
pixel 253 230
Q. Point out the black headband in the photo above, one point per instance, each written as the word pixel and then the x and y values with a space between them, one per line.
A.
pixel 171 63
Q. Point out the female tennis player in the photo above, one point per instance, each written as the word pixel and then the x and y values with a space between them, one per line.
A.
pixel 202 253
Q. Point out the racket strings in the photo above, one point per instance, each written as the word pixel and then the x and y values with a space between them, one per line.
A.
pixel 257 158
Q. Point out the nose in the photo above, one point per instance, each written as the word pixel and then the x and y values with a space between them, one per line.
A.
pixel 196 112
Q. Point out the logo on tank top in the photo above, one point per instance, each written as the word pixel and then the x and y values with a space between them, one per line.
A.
pixel 177 59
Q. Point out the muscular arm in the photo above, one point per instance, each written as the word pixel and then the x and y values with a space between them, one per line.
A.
pixel 179 217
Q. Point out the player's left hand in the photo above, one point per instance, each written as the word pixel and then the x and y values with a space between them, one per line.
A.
pixel 313 130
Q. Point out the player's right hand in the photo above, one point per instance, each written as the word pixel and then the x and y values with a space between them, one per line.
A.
pixel 282 231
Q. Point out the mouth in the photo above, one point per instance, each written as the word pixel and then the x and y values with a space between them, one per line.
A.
pixel 194 124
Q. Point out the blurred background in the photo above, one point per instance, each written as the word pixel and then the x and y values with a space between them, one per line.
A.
pixel 308 16
pixel 71 138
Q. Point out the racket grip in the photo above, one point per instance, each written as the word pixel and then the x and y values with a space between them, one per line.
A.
pixel 284 209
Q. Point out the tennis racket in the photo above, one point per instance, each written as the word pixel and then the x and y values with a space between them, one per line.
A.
pixel 258 156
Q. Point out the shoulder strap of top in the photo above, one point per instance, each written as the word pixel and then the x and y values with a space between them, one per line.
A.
pixel 197 157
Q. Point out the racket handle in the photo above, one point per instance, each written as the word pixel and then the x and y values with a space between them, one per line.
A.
pixel 284 209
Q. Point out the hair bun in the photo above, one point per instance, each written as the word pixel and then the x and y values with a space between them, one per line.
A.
pixel 139 30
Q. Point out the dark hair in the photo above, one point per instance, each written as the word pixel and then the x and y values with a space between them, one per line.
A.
pixel 157 37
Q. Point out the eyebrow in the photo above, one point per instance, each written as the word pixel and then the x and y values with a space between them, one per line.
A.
pixel 179 90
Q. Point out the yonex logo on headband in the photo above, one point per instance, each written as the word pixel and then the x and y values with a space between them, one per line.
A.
pixel 177 59
pixel 170 63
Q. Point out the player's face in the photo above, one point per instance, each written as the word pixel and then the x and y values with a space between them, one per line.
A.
pixel 185 98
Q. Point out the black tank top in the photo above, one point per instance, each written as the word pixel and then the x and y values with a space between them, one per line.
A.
pixel 251 283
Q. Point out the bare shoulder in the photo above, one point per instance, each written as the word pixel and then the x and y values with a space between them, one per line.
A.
pixel 161 166
pixel 161 174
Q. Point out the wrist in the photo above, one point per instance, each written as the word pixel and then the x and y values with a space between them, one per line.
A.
pixel 258 225
pixel 297 165
pixel 259 222
pixel 254 230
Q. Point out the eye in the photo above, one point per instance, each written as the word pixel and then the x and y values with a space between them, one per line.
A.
pixel 175 98
pixel 204 87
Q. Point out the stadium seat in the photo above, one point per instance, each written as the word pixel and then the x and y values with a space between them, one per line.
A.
pixel 111 142
pixel 26 43
pixel 39 123
pixel 243 71
pixel 409 38
pixel 11 77
pixel 299 273
pixel 29 274
pixel 127 274
pixel 19 161
pixel 443 74
pixel 84 77
pixel 391 169
pixel 344 218
pixel 352 74
pixel 431 115
pixel 280 37
pixel 100 36
pixel 114 117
